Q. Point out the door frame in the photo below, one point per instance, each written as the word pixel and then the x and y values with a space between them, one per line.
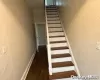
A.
pixel 37 41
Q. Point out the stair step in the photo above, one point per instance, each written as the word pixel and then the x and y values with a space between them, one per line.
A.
pixel 57 39
pixel 50 19
pixel 55 29
pixel 61 75
pixel 54 25
pixel 51 7
pixel 60 55
pixel 58 21
pixel 62 69
pixel 57 34
pixel 62 64
pixel 59 48
pixel 63 59
pixel 60 51
pixel 51 14
pixel 59 44
pixel 51 10
pixel 53 42
pixel 65 79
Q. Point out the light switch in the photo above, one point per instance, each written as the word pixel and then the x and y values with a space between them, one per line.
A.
pixel 3 50
pixel 98 46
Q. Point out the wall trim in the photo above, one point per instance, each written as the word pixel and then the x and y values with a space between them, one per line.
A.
pixel 28 66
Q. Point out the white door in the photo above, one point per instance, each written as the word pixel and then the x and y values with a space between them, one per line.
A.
pixel 40 34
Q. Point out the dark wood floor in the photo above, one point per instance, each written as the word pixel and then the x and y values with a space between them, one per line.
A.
pixel 39 68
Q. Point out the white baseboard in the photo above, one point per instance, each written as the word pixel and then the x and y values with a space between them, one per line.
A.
pixel 28 67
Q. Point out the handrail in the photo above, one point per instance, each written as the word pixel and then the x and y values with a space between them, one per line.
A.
pixel 73 59
pixel 48 45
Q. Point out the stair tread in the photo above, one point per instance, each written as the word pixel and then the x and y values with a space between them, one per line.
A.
pixel 51 14
pixel 59 48
pixel 56 36
pixel 57 41
pixel 54 27
pixel 66 74
pixel 62 64
pixel 54 22
pixel 54 31
pixel 60 55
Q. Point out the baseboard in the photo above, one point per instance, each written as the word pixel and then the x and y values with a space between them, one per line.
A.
pixel 28 67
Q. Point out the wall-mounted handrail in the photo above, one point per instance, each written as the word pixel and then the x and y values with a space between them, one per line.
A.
pixel 48 45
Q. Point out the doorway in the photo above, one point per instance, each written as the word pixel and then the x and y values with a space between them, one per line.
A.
pixel 40 34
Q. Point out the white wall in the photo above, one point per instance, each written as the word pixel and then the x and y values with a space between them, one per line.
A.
pixel 82 24
pixel 38 9
pixel 17 37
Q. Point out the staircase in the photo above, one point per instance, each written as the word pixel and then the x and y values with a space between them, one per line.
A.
pixel 61 64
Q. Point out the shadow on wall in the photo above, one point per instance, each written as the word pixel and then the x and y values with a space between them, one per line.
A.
pixel 71 8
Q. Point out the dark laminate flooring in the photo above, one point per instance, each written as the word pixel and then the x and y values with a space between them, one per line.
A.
pixel 39 67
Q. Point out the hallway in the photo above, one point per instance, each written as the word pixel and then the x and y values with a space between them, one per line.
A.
pixel 39 68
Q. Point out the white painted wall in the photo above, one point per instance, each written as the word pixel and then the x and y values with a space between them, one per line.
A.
pixel 38 9
pixel 82 25
pixel 16 37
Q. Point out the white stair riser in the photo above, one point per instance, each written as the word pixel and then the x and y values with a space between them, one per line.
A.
pixel 58 44
pixel 52 15
pixel 56 34
pixel 54 21
pixel 52 12
pixel 60 51
pixel 62 69
pixel 61 59
pixel 57 39
pixel 53 18
pixel 55 29
pixel 54 25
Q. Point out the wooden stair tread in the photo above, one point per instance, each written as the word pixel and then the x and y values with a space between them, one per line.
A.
pixel 62 64
pixel 56 36
pixel 59 48
pixel 66 74
pixel 54 31
pixel 52 16
pixel 54 27
pixel 60 55
pixel 53 23
pixel 57 41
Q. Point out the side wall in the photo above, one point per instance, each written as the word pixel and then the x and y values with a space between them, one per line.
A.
pixel 17 40
pixel 81 19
